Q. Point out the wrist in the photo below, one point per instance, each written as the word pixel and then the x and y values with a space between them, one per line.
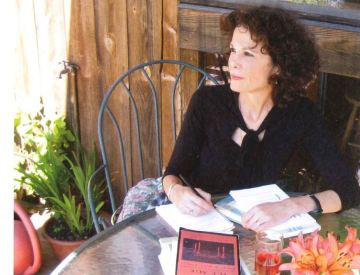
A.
pixel 317 208
pixel 170 190
pixel 168 186
pixel 300 205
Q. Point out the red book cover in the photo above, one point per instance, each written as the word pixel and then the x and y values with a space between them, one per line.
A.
pixel 207 253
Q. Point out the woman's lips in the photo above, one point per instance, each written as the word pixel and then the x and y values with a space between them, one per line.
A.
pixel 236 77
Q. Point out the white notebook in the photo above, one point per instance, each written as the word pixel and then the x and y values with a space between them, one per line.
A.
pixel 210 222
pixel 240 201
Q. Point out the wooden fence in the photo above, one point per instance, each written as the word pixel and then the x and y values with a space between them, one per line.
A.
pixel 107 37
pixel 104 38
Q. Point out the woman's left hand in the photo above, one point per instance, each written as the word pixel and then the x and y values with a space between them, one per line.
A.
pixel 266 215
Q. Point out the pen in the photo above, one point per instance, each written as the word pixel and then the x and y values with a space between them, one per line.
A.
pixel 198 194
pixel 189 185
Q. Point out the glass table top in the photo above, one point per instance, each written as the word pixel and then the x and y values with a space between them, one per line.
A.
pixel 132 247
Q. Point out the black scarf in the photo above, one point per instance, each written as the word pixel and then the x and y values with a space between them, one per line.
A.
pixel 252 147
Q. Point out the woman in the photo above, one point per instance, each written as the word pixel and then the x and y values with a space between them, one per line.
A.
pixel 242 135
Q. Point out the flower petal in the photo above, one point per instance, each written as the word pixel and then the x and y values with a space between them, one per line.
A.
pixel 355 262
pixel 314 245
pixel 332 250
pixel 321 263
pixel 352 232
pixel 296 249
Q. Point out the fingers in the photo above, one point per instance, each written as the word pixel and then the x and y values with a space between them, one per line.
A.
pixel 194 210
pixel 266 215
pixel 190 203
pixel 205 195
pixel 204 201
pixel 252 220
pixel 258 219
pixel 200 205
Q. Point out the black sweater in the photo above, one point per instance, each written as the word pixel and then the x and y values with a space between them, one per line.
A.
pixel 206 154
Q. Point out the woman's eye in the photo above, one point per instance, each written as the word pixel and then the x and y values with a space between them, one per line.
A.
pixel 232 50
pixel 248 53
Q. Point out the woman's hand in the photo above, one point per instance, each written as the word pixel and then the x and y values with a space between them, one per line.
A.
pixel 266 215
pixel 190 203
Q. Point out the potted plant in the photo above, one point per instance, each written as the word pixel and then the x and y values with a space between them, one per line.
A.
pixel 59 172
pixel 28 133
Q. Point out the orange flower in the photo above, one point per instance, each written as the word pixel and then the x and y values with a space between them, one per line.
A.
pixel 317 255
pixel 351 247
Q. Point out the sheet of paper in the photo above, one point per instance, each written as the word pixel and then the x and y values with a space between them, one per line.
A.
pixel 168 254
pixel 248 198
pixel 240 201
pixel 211 222
pixel 244 270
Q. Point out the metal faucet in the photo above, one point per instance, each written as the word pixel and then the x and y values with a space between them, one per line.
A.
pixel 68 68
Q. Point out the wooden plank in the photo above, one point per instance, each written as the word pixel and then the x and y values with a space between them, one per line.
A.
pixel 144 46
pixel 98 43
pixel 27 77
pixel 112 42
pixel 343 12
pixel 51 41
pixel 170 51
pixel 200 30
pixel 339 49
pixel 83 51
pixel 190 79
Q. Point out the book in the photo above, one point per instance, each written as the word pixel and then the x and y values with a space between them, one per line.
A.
pixel 168 256
pixel 210 222
pixel 240 201
pixel 200 252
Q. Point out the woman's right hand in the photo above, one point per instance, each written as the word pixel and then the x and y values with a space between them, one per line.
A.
pixel 189 203
pixel 185 199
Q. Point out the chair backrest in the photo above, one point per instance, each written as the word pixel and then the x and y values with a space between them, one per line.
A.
pixel 124 82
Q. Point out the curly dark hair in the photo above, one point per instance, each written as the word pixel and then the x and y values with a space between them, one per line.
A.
pixel 290 46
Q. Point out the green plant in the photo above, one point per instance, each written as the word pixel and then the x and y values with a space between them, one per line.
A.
pixel 82 167
pixel 58 174
pixel 34 134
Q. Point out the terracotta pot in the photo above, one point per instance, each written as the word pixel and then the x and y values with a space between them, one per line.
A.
pixel 61 249
pixel 27 249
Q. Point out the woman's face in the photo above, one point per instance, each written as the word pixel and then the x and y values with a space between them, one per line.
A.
pixel 249 68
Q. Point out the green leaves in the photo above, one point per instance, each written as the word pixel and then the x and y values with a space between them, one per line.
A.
pixel 82 167
pixel 50 168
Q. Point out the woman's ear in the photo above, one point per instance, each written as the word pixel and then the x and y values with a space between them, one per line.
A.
pixel 276 70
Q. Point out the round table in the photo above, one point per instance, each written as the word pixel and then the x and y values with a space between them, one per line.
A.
pixel 132 247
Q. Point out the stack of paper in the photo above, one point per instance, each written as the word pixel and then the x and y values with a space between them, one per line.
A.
pixel 168 254
pixel 210 222
pixel 240 201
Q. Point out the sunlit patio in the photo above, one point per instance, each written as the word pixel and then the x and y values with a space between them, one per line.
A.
pixel 68 56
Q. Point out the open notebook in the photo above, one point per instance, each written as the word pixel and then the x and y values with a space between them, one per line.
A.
pixel 240 201
pixel 210 222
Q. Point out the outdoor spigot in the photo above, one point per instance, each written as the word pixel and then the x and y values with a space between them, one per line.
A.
pixel 68 68
pixel 64 71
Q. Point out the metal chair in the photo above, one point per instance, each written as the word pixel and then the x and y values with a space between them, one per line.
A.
pixel 105 108
pixel 353 97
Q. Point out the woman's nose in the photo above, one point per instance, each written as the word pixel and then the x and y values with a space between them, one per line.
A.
pixel 235 61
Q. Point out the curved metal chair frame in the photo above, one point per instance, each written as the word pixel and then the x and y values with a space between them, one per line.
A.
pixel 105 108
